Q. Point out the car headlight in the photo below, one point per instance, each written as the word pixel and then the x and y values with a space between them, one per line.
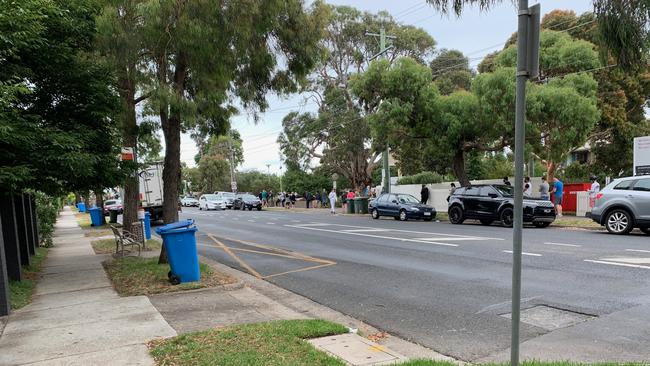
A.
pixel 414 209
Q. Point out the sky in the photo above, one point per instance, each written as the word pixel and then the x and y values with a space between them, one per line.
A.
pixel 475 33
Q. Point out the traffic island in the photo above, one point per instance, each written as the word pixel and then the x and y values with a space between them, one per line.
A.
pixel 270 343
pixel 133 276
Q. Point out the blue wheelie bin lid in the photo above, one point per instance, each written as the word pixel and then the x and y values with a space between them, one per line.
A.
pixel 173 226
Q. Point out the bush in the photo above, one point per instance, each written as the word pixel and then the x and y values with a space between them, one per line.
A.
pixel 421 178
pixel 47 209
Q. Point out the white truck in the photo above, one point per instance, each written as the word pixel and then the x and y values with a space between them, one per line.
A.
pixel 151 189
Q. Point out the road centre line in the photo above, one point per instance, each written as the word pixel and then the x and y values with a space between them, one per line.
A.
pixel 270 223
pixel 450 239
pixel 618 264
pixel 637 250
pixel 523 253
pixel 372 236
pixel 563 245
pixel 363 230
pixel 402 231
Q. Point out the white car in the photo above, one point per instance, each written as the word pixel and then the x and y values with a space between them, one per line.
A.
pixel 211 202
pixel 189 202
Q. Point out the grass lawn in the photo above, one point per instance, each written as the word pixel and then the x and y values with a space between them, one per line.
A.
pixel 525 363
pixel 262 344
pixel 107 246
pixel 575 222
pixel 144 276
pixel 21 291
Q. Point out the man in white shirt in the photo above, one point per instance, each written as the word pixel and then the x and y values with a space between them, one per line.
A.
pixel 332 197
pixel 593 191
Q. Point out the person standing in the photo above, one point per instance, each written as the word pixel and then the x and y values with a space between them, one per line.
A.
pixel 593 190
pixel 292 198
pixel 308 199
pixel 324 198
pixel 506 181
pixel 424 195
pixel 317 200
pixel 558 191
pixel 528 187
pixel 283 198
pixel 265 198
pixel 332 198
pixel 452 189
pixel 543 189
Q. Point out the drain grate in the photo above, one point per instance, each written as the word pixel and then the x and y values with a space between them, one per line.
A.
pixel 550 318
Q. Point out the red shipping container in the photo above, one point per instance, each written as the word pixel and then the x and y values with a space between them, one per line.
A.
pixel 570 198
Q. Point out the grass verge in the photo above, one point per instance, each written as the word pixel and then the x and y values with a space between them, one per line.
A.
pixel 264 344
pixel 144 276
pixel 107 246
pixel 525 363
pixel 20 292
pixel 575 222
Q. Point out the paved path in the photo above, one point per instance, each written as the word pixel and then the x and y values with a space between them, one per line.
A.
pixel 76 317
pixel 448 286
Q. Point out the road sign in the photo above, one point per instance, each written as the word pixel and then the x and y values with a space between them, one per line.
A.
pixel 127 154
pixel 641 156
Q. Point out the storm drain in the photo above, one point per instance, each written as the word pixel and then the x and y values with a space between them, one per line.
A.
pixel 550 318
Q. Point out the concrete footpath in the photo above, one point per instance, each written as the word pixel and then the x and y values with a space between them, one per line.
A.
pixel 76 318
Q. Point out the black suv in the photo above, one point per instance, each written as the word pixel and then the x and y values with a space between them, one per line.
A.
pixel 491 202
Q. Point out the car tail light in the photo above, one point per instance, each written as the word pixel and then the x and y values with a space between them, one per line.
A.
pixel 599 195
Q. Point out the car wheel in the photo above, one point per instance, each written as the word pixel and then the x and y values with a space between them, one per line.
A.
pixel 486 222
pixel 200 208
pixel 396 217
pixel 646 230
pixel 507 217
pixel 619 222
pixel 402 215
pixel 374 213
pixel 456 215
pixel 541 224
pixel 259 209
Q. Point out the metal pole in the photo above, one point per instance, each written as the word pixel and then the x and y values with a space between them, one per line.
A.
pixel 233 181
pixel 520 114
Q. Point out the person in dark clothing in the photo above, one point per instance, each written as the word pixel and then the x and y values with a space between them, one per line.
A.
pixel 506 181
pixel 308 199
pixel 424 195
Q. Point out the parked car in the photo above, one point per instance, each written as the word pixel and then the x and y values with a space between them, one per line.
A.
pixel 211 202
pixel 247 201
pixel 494 202
pixel 623 205
pixel 113 204
pixel 189 202
pixel 229 197
pixel 400 206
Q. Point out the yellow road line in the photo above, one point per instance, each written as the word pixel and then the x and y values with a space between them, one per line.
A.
pixel 235 257
pixel 293 254
pixel 323 261
pixel 299 270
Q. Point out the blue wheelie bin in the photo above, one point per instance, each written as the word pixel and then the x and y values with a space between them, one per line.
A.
pixel 81 206
pixel 147 225
pixel 180 243
pixel 96 217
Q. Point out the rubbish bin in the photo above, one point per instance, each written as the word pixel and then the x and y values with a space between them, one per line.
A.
pixel 180 243
pixel 361 205
pixel 81 206
pixel 112 216
pixel 350 208
pixel 96 216
pixel 147 225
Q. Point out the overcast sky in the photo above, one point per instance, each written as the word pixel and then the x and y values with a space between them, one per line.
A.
pixel 475 34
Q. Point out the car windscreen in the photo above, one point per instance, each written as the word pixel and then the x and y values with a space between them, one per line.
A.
pixel 111 202
pixel 248 197
pixel 228 194
pixel 505 190
pixel 211 197
pixel 407 198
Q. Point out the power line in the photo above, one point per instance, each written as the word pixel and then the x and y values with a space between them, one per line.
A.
pixel 399 13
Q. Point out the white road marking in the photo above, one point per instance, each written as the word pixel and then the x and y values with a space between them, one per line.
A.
pixel 270 223
pixel 402 231
pixel 363 230
pixel 251 220
pixel 637 250
pixel 295 220
pixel 618 264
pixel 524 253
pixel 451 239
pixel 563 245
pixel 372 236
pixel 631 260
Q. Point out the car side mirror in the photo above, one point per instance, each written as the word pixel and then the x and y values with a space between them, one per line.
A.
pixel 394 201
pixel 493 195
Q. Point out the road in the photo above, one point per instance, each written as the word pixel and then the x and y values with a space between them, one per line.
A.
pixel 444 286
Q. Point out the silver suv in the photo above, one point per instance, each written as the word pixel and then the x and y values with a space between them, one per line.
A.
pixel 623 205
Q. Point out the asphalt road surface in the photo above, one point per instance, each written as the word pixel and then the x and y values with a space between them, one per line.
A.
pixel 444 286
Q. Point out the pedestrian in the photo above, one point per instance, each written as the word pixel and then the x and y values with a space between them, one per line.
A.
pixel 528 187
pixel 506 181
pixel 452 188
pixel 292 198
pixel 308 199
pixel 593 190
pixel 265 198
pixel 332 198
pixel 543 189
pixel 317 200
pixel 344 200
pixel 270 198
pixel 558 191
pixel 424 195
pixel 283 198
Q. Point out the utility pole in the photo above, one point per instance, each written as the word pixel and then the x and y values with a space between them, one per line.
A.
pixel 527 68
pixel 233 180
pixel 384 155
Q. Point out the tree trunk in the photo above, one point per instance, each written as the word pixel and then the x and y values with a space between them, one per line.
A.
pixel 458 166
pixel 551 167
pixel 99 201
pixel 131 199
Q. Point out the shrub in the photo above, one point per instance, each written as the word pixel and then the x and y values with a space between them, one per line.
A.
pixel 47 209
pixel 421 178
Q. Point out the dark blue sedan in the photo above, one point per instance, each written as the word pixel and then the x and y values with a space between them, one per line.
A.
pixel 400 206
